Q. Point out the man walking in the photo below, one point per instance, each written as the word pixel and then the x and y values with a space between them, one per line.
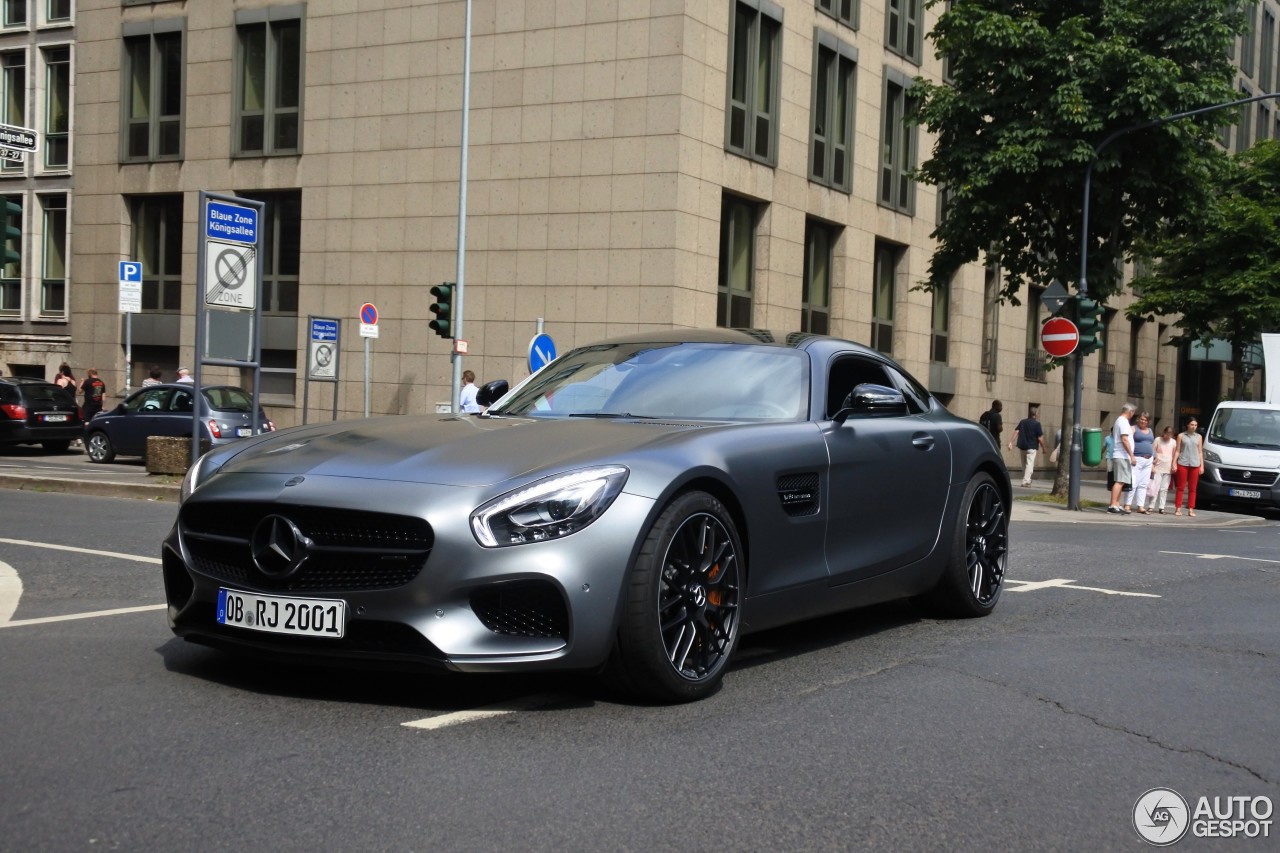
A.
pixel 1028 435
pixel 993 421
pixel 1122 458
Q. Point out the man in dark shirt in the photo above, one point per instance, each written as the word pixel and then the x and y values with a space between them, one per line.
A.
pixel 992 420
pixel 94 390
pixel 1029 438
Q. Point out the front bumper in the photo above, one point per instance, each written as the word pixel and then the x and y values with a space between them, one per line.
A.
pixel 1240 486
pixel 544 605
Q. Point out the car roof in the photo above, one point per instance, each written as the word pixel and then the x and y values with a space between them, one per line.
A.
pixel 26 380
pixel 752 337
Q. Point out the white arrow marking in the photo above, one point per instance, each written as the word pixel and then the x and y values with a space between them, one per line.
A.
pixel 53 547
pixel 542 356
pixel 10 592
pixel 488 712
pixel 1065 583
pixel 1219 557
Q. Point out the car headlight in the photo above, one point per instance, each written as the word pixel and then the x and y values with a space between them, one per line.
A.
pixel 548 509
pixel 1211 456
pixel 197 474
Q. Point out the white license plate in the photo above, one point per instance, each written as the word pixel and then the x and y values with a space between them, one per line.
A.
pixel 55 419
pixel 1244 493
pixel 307 617
pixel 243 432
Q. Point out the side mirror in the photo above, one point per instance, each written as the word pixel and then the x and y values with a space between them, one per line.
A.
pixel 491 392
pixel 870 400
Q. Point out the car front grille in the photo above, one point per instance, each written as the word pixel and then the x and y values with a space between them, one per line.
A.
pixel 1246 477
pixel 522 609
pixel 349 549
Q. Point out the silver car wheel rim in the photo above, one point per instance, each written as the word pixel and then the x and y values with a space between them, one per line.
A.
pixel 698 597
pixel 986 543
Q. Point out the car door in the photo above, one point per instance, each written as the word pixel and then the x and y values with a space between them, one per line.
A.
pixel 146 413
pixel 889 477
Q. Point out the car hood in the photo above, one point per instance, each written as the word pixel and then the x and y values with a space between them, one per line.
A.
pixel 459 451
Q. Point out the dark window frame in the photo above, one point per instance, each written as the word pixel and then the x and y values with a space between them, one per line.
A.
pixel 735 305
pixel 884 294
pixel 903 29
pixel 157 40
pixel 161 267
pixel 273 129
pixel 820 240
pixel 831 136
pixel 899 144
pixel 845 11
pixel 746 121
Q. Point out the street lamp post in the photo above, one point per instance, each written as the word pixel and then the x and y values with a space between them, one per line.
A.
pixel 1082 288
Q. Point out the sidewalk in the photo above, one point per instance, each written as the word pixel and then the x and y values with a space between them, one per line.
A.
pixel 1096 491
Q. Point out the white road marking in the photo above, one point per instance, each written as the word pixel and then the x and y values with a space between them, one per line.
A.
pixel 11 586
pixel 1067 583
pixel 1220 557
pixel 73 549
pixel 44 620
pixel 10 591
pixel 476 714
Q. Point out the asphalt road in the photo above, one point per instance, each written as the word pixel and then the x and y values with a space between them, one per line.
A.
pixel 1121 658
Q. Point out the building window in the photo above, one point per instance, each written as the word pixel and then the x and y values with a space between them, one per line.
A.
pixel 1244 130
pixel 898 144
pixel 57 110
pixel 831 136
pixel 13 65
pixel 940 337
pixel 11 269
pixel 1266 50
pixel 1247 38
pixel 737 262
pixel 15 13
pixel 281 249
pixel 269 87
pixel 815 301
pixel 157 244
pixel 1034 366
pixel 844 11
pixel 902 29
pixel 754 72
pixel 53 261
pixel 57 10
pixel 884 295
pixel 153 96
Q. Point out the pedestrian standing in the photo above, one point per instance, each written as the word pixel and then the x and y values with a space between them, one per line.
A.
pixel 184 376
pixel 1189 465
pixel 1028 435
pixel 95 390
pixel 1144 440
pixel 1122 458
pixel 467 394
pixel 992 420
pixel 65 379
pixel 153 377
pixel 1161 469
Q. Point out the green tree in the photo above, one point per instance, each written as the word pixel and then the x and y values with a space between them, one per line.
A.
pixel 1034 86
pixel 1223 274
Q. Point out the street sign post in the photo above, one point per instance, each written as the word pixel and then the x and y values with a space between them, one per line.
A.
pixel 1054 297
pixel 368 329
pixel 1059 337
pixel 19 138
pixel 542 351
pixel 130 303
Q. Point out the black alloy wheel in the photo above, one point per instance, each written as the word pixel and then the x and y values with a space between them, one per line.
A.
pixel 680 622
pixel 971 582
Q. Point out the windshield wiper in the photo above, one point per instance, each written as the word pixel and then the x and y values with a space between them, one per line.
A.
pixel 614 415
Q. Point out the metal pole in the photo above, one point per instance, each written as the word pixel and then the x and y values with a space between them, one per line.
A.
pixel 366 377
pixel 128 350
pixel 1073 490
pixel 459 289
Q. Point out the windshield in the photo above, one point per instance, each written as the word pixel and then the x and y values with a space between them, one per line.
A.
pixel 667 380
pixel 1257 428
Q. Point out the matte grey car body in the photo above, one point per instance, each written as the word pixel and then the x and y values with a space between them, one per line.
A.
pixel 634 508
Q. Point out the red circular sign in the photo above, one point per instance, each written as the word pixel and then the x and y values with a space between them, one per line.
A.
pixel 1059 337
pixel 369 314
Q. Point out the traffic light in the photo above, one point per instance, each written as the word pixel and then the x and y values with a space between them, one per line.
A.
pixel 12 235
pixel 1089 322
pixel 442 325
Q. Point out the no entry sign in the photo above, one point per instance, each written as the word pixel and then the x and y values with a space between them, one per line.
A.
pixel 1059 337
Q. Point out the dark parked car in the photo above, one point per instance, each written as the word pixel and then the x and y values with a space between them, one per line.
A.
pixel 166 410
pixel 634 507
pixel 33 411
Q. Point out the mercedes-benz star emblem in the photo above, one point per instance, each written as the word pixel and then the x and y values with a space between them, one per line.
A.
pixel 279 548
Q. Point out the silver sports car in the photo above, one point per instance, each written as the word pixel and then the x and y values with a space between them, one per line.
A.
pixel 633 509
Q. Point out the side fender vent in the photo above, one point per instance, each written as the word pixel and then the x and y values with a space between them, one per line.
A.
pixel 798 494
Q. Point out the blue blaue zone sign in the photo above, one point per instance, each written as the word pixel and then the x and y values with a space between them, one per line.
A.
pixel 231 222
pixel 324 330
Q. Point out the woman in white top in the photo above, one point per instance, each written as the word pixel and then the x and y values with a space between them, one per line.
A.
pixel 1161 468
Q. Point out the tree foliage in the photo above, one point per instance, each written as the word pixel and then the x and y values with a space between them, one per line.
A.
pixel 1034 86
pixel 1222 274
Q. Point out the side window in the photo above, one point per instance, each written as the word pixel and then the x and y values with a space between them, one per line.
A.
pixel 155 400
pixel 181 402
pixel 847 373
pixel 917 395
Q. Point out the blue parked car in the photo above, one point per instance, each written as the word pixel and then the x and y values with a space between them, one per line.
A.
pixel 166 410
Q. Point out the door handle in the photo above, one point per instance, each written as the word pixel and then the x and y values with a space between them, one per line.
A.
pixel 922 441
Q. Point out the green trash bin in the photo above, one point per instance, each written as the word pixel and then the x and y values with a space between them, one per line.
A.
pixel 1091 452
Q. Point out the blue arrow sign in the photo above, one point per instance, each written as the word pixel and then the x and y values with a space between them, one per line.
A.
pixel 542 351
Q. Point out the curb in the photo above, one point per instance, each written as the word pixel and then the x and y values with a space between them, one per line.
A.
pixel 93 488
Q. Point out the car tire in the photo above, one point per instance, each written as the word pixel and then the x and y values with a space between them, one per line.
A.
pixel 680 613
pixel 56 446
pixel 99 448
pixel 974 575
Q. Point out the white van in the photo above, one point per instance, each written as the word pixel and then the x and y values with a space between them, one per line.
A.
pixel 1242 455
